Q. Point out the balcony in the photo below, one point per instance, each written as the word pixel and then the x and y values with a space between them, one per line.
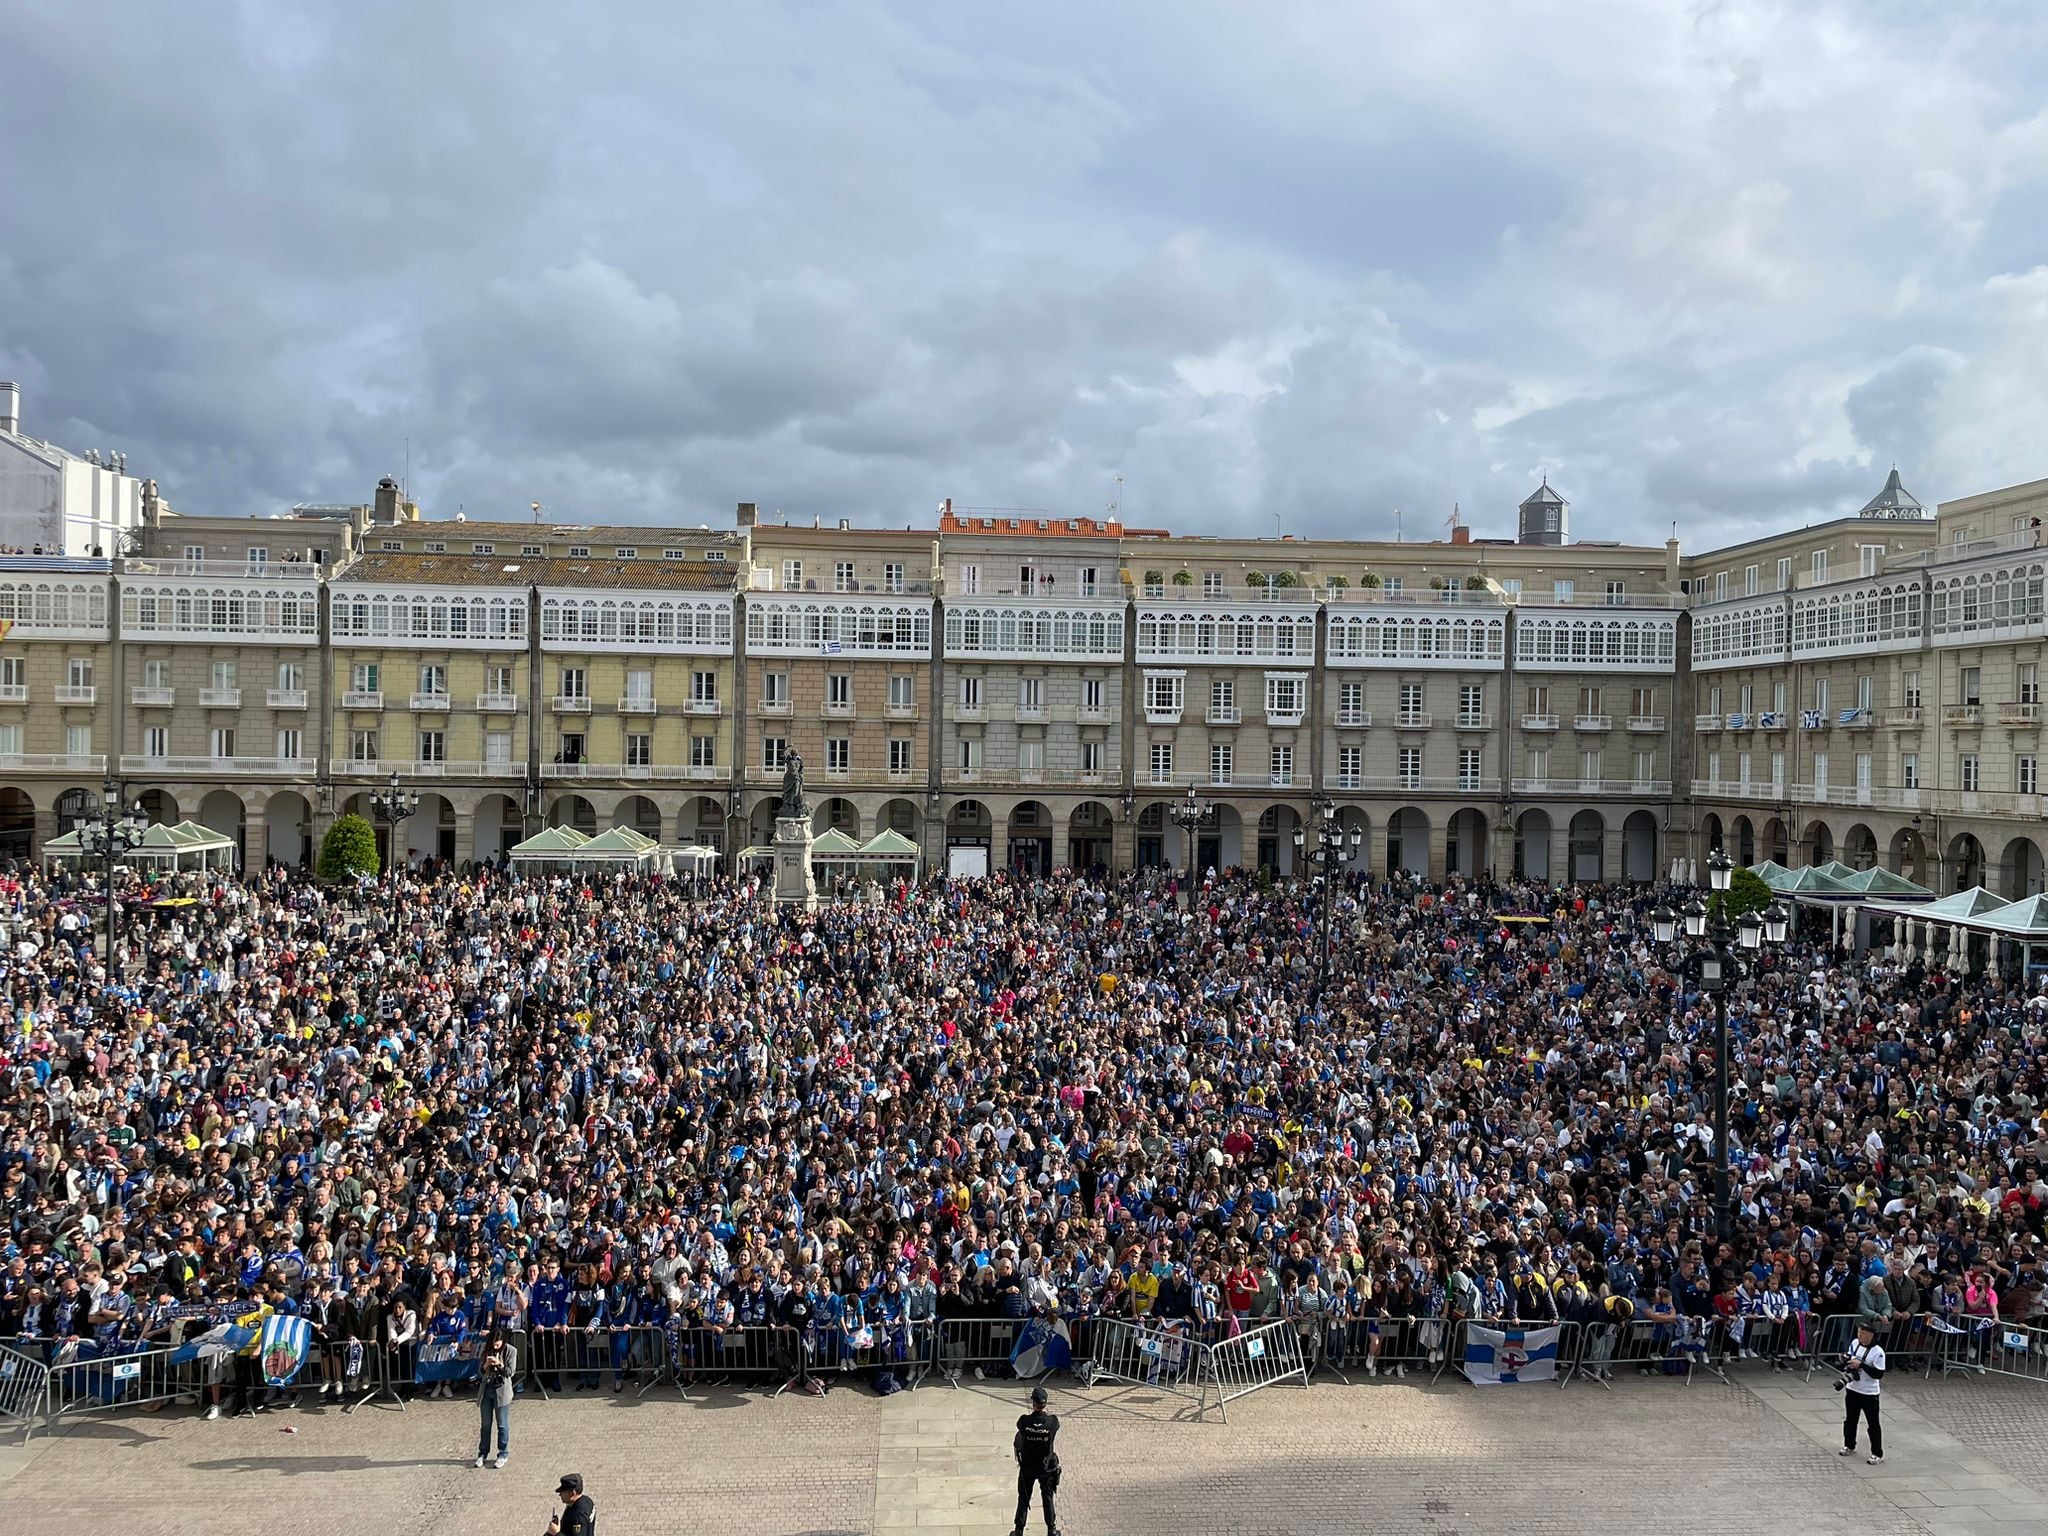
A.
pixel 1539 722
pixel 1737 789
pixel 220 698
pixel 1470 722
pixel 837 775
pixel 902 775
pixel 1531 786
pixel 413 768
pixel 497 703
pixel 1592 723
pixel 1032 713
pixel 76 693
pixel 1990 802
pixel 704 707
pixel 1162 714
pixel 558 771
pixel 572 703
pixel 1646 722
pixel 843 710
pixel 1881 797
pixel 1707 722
pixel 1223 714
pixel 1904 717
pixel 702 771
pixel 431 703
pixel 362 698
pixel 1411 784
pixel 13 693
pixel 895 711
pixel 285 698
pixel 66 762
pixel 2019 713
pixel 963 710
pixel 636 704
pixel 1962 714
pixel 1283 717
pixel 152 696
pixel 202 767
pixel 1092 714
pixel 1412 720
pixel 1354 719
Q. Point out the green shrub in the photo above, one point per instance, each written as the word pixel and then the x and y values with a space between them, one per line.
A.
pixel 1746 893
pixel 349 849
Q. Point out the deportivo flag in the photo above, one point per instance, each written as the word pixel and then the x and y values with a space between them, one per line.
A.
pixel 1043 1346
pixel 227 1339
pixel 446 1358
pixel 1495 1356
pixel 283 1347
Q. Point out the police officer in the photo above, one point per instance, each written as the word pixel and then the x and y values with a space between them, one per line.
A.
pixel 1038 1462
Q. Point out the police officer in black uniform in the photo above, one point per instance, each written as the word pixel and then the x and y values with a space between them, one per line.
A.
pixel 1038 1462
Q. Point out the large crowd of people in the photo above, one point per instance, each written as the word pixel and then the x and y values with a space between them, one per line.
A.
pixel 447 1100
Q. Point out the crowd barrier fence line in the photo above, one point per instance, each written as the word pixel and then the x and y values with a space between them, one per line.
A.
pixel 24 1390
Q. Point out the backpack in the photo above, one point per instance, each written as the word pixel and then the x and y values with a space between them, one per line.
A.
pixel 886 1384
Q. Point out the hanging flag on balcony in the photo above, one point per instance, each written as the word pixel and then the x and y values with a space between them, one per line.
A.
pixel 828 647
pixel 1738 722
pixel 1809 719
pixel 1770 720
pixel 1848 716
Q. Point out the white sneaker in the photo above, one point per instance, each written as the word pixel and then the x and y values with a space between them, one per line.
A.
pixel 1847 1450
pixel 980 1374
pixel 212 1411
pixel 1401 1371
pixel 478 1462
pixel 1875 1461
pixel 1372 1368
pixel 499 1464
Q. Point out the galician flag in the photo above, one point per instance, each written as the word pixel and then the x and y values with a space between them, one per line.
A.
pixel 1495 1356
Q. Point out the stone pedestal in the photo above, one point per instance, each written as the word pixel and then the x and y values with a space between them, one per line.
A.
pixel 794 882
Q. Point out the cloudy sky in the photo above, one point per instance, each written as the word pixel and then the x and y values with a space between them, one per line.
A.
pixel 1295 265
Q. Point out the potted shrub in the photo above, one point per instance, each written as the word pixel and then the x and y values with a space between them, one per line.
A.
pixel 1255 579
pixel 1183 577
pixel 349 849
pixel 1371 581
pixel 1286 579
pixel 1337 583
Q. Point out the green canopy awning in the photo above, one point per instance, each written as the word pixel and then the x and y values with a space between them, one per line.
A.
pixel 890 844
pixel 619 845
pixel 833 843
pixel 2026 918
pixel 1882 882
pixel 1975 902
pixel 556 843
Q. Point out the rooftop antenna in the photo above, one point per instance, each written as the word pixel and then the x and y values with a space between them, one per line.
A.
pixel 1452 521
pixel 1397 525
pixel 405 475
pixel 536 514
pixel 1116 502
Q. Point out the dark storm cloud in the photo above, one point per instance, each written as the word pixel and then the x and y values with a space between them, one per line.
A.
pixel 1312 263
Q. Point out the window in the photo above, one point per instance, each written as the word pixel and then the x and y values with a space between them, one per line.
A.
pixel 1778 696
pixel 711 556
pixel 1222 762
pixel 899 754
pixel 572 748
pixel 1280 765
pixel 1869 559
pixel 1820 774
pixel 775 690
pixel 1866 692
pixel 1642 703
pixel 1212 583
pixel 1589 767
pixel 291 676
pixel 1539 765
pixel 1395 584
pixel 1155 586
pixel 838 754
pixel 839 690
pixel 1222 699
pixel 223 741
pixel 1777 773
pixel 1714 767
pixel 1909 769
pixel 1589 703
pixel 625 552
pixel 2026 775
pixel 1091 694
pixel 1284 696
pixel 259 556
pixel 440 547
pixel 1967 774
pixel 156 741
pixel 2030 683
pixel 1646 769
pixel 1471 703
pixel 483 549
pixel 1468 768
pixel 1562 588
pixel 1091 759
pixel 1090 587
pixel 773 750
pixel 288 741
pixel 1349 767
pixel 970 756
pixel 842 577
pixel 78 740
pixel 1617 594
pixel 1030 694
pixel 1511 587
pixel 1742 768
pixel 792 575
pixel 1820 698
pixel 970 581
pixel 1411 768
pixel 640 686
pixel 575 683
pixel 1820 566
pixel 703 687
pixel 1749 580
pixel 970 692
pixel 703 753
pixel 433 746
pixel 1973 685
pixel 1411 703
pixel 497 748
pixel 1714 699
pixel 1785 573
pixel 362 746
pixel 1162 762
pixel 1350 703
pixel 639 750
pixel 78 671
pixel 1163 693
pixel 195 553
pixel 433 679
pixel 1720 586
pixel 902 691
pixel 1537 699
pixel 1031 757
pixel 892 576
pixel 533 549
pixel 1742 698
pixel 156 674
pixel 222 674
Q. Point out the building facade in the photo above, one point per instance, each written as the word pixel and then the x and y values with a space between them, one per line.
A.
pixel 1015 691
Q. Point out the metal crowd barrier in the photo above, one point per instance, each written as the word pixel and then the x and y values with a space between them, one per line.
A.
pixel 1387 1344
pixel 24 1391
pixel 136 1378
pixel 977 1343
pixel 1569 1343
pixel 1264 1357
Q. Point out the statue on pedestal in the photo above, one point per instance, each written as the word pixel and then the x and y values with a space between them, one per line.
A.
pixel 793 787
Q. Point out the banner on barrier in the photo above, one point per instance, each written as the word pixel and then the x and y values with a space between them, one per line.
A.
pixel 448 1359
pixel 1502 1356
pixel 283 1347
pixel 1043 1345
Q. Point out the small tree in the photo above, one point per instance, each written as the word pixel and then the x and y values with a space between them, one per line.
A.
pixel 1153 578
pixel 1337 583
pixel 1286 579
pixel 1255 578
pixel 349 849
pixel 1183 577
pixel 1746 893
pixel 1371 581
pixel 1475 583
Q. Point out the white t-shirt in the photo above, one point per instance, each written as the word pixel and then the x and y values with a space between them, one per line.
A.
pixel 1873 1358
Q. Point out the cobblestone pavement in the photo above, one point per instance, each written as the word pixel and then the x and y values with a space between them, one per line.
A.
pixel 1963 1460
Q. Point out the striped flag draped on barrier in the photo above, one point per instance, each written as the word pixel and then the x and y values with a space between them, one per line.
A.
pixel 1501 1356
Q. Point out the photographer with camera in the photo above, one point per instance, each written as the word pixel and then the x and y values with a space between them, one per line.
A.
pixel 497 1369
pixel 1862 1372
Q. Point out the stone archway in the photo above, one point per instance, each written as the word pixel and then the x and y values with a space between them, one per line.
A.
pixel 17 824
pixel 1712 831
pixel 430 830
pixel 223 811
pixel 903 817
pixel 1908 855
pixel 1091 836
pixel 160 807
pixel 640 813
pixel 1820 843
pixel 1859 847
pixel 701 823
pixel 1408 840
pixel 1027 832
pixel 287 826
pixel 2020 869
pixel 1965 862
pixel 573 811
pixel 1588 848
pixel 1465 843
pixel 1777 842
pixel 1532 846
pixel 495 826
pixel 1639 847
pixel 838 814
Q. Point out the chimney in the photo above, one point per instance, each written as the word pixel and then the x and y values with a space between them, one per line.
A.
pixel 747 513
pixel 385 508
pixel 10 407
pixel 1460 534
